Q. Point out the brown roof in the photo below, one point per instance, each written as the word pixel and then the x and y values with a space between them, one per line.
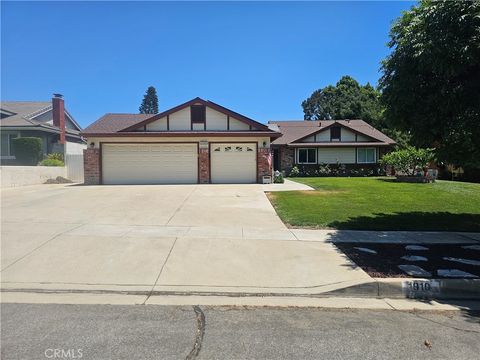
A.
pixel 112 123
pixel 126 124
pixel 294 131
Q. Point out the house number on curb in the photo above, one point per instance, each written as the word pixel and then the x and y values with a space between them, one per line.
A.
pixel 421 288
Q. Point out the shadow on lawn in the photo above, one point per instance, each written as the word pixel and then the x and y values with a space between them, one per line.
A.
pixel 416 220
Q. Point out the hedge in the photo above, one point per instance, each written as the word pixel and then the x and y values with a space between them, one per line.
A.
pixel 27 150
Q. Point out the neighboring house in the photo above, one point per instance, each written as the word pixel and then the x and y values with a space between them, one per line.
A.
pixel 196 142
pixel 309 143
pixel 49 121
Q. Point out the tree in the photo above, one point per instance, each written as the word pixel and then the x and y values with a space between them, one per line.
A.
pixel 149 102
pixel 431 80
pixel 346 100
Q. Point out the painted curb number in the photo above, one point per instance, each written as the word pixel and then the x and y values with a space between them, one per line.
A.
pixel 421 288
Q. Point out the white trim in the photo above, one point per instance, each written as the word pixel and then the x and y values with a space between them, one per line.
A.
pixel 374 155
pixel 306 163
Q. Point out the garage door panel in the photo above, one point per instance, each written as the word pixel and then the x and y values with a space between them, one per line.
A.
pixel 149 163
pixel 233 163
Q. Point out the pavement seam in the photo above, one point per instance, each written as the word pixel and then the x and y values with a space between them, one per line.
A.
pixel 39 246
pixel 443 324
pixel 160 273
pixel 181 205
pixel 199 333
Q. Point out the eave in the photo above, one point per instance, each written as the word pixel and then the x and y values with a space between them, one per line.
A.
pixel 270 134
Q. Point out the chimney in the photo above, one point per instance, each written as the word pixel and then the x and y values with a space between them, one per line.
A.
pixel 58 109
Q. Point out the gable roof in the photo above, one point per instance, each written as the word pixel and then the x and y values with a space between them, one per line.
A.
pixel 23 114
pixel 128 124
pixel 294 131
pixel 208 103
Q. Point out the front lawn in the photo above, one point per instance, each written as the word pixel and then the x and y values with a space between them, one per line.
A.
pixel 380 204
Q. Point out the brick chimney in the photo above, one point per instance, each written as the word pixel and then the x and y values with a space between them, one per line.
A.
pixel 58 109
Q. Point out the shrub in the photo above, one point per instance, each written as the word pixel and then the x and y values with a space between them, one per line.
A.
pixel 294 172
pixel 278 178
pixel 409 160
pixel 56 156
pixel 52 162
pixel 27 150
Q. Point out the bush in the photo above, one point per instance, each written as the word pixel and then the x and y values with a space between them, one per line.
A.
pixel 52 162
pixel 294 172
pixel 56 156
pixel 278 178
pixel 27 150
pixel 409 160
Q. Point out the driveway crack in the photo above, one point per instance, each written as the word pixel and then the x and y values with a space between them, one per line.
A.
pixel 160 273
pixel 199 333
pixel 181 205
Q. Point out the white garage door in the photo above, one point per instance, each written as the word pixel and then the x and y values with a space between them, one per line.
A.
pixel 233 163
pixel 149 163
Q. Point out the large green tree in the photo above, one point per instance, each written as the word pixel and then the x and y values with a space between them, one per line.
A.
pixel 431 80
pixel 150 102
pixel 346 100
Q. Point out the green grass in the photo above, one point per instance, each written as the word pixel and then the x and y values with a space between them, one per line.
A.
pixel 380 204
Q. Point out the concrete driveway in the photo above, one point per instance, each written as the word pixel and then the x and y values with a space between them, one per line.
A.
pixel 161 239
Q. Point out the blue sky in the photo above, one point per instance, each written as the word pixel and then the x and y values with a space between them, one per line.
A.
pixel 260 59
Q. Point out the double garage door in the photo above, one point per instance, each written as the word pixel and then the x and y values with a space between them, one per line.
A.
pixel 176 163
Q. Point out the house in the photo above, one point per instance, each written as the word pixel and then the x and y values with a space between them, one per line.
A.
pixel 195 142
pixel 47 120
pixel 304 143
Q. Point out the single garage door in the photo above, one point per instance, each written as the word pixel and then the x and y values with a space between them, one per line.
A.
pixel 233 163
pixel 149 163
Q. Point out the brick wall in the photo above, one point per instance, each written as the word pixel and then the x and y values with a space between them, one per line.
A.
pixel 287 159
pixel 91 166
pixel 204 166
pixel 264 163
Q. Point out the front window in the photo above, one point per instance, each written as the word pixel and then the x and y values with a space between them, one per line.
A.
pixel 7 144
pixel 307 156
pixel 366 155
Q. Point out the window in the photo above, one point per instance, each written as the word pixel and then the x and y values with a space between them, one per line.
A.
pixel 335 133
pixel 7 144
pixel 366 155
pixel 307 156
pixel 198 113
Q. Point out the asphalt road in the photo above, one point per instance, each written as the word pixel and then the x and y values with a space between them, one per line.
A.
pixel 36 331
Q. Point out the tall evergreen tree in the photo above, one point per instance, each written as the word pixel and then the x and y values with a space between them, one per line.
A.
pixel 149 102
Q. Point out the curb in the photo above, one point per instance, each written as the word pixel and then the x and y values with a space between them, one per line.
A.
pixel 379 288
pixel 414 288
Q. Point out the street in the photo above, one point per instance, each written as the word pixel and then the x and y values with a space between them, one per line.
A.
pixel 43 331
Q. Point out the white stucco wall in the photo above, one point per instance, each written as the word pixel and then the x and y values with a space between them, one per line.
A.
pixel 158 125
pixel 238 125
pixel 216 120
pixel 13 176
pixel 180 120
pixel 75 148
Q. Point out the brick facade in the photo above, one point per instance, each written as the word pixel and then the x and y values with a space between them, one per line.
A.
pixel 287 159
pixel 91 166
pixel 203 166
pixel 264 163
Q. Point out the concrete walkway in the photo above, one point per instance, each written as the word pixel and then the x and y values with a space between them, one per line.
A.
pixel 191 239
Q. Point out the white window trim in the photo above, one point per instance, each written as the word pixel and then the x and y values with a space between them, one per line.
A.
pixel 306 163
pixel 374 155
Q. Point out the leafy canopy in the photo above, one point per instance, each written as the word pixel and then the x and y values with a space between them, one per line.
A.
pixel 431 80
pixel 346 100
pixel 150 102
pixel 408 160
pixel 27 150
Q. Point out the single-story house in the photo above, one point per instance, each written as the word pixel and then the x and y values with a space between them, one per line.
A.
pixel 195 142
pixel 47 120
pixel 304 143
